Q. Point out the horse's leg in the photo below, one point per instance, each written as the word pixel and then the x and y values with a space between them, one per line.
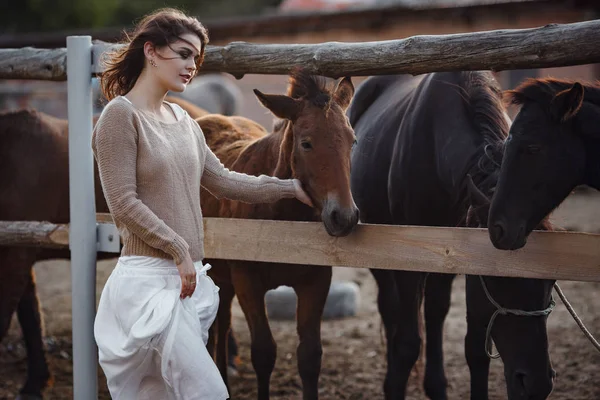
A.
pixel 437 303
pixel 477 359
pixel 250 292
pixel 17 291
pixel 406 342
pixel 233 358
pixel 388 304
pixel 223 328
pixel 312 296
pixel 211 344
pixel 30 319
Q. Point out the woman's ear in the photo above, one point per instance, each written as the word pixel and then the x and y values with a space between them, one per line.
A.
pixel 149 50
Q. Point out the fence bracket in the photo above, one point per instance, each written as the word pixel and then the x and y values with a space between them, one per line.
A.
pixel 108 238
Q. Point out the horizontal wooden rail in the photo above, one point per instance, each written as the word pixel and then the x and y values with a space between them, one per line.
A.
pixel 554 45
pixel 548 255
pixel 33 233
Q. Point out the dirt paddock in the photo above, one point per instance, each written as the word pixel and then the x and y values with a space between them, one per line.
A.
pixel 353 359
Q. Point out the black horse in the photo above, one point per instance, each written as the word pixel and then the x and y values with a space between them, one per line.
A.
pixel 554 146
pixel 422 142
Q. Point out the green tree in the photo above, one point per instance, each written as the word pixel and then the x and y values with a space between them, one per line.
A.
pixel 60 15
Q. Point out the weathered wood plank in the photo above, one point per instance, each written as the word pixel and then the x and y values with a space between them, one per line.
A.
pixel 556 255
pixel 30 63
pixel 33 233
pixel 549 46
pixel 104 218
pixel 550 255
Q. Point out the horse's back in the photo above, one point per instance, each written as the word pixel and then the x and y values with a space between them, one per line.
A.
pixel 193 110
pixel 376 114
pixel 227 137
pixel 33 166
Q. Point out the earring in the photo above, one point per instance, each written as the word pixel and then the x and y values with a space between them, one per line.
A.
pixel 153 63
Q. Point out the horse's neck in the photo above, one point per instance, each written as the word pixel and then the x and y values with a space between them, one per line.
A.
pixel 587 124
pixel 281 143
pixel 593 164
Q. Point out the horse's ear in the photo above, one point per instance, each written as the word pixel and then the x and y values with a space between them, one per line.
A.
pixel 566 104
pixel 344 92
pixel 513 98
pixel 282 106
pixel 587 118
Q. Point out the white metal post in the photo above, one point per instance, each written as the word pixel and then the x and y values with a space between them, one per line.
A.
pixel 83 216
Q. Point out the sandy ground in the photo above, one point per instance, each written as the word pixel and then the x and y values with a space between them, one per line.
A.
pixel 354 348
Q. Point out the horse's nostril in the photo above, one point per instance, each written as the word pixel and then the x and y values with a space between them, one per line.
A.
pixel 498 230
pixel 335 217
pixel 522 231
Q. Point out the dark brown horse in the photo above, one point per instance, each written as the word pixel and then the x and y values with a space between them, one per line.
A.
pixel 312 142
pixel 34 186
pixel 420 140
pixel 554 146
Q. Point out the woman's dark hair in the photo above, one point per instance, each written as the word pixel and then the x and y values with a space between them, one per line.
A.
pixel 161 28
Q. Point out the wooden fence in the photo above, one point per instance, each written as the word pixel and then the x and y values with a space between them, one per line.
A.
pixel 457 250
pixel 550 255
pixel 549 46
pixel 564 255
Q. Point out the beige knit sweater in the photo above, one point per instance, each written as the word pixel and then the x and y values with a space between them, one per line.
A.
pixel 151 172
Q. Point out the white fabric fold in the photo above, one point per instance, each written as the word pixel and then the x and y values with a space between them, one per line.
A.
pixel 151 343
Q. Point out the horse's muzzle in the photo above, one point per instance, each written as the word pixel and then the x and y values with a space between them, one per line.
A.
pixel 339 221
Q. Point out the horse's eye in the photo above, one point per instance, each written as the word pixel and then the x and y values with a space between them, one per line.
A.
pixel 533 149
pixel 306 145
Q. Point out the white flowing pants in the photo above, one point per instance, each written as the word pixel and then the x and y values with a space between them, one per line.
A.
pixel 151 343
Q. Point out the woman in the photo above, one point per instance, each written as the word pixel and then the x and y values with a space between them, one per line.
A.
pixel 158 304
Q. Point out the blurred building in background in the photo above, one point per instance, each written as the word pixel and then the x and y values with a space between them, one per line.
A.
pixel 317 21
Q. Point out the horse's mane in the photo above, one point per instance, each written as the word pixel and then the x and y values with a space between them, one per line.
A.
pixel 303 85
pixel 313 88
pixel 543 91
pixel 483 98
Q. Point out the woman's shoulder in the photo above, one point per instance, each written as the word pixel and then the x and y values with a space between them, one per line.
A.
pixel 119 105
pixel 118 110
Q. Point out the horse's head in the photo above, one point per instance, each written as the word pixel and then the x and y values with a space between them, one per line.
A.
pixel 544 157
pixel 316 144
pixel 522 341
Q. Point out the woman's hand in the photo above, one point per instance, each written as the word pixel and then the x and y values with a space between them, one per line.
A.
pixel 301 194
pixel 188 276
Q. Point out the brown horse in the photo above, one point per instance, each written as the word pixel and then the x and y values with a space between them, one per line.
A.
pixel 193 110
pixel 312 142
pixel 34 186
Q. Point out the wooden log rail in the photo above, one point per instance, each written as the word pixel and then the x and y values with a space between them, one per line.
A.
pixel 554 45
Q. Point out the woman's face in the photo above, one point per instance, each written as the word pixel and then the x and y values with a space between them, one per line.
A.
pixel 176 63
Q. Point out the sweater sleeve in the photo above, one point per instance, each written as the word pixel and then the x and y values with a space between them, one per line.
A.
pixel 114 143
pixel 223 183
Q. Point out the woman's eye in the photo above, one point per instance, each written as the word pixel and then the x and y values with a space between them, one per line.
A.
pixel 185 56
